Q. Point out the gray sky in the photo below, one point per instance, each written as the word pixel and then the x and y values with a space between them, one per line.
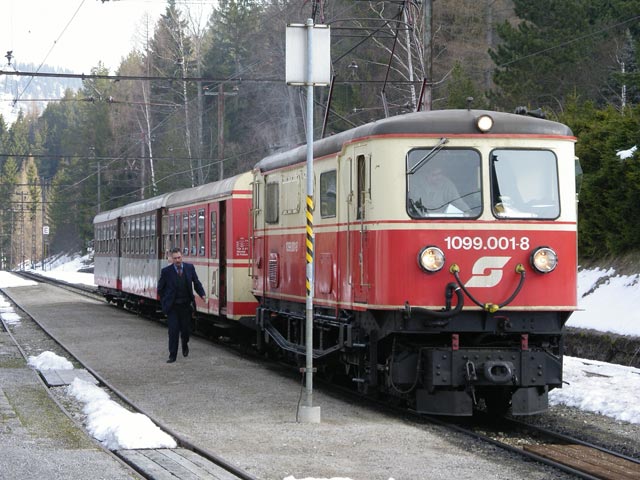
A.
pixel 77 34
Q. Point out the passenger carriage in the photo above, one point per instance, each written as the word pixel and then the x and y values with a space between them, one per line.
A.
pixel 208 223
pixel 127 257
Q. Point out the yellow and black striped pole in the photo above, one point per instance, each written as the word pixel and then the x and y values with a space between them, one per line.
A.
pixel 310 245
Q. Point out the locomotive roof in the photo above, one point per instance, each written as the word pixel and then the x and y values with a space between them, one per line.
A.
pixel 438 122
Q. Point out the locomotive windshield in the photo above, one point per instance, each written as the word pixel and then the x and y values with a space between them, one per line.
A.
pixel 443 183
pixel 524 184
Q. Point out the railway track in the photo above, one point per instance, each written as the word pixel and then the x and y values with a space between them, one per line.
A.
pixel 564 452
pixel 188 461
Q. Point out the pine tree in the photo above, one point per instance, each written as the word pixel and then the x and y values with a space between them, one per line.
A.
pixel 558 48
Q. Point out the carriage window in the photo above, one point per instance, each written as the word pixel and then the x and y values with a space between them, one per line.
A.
pixel 112 231
pixel 146 226
pixel 185 234
pixel 362 171
pixel 201 248
pixel 524 184
pixel 152 234
pixel 178 236
pixel 132 226
pixel 193 223
pixel 125 233
pixel 271 207
pixel 214 235
pixel 136 235
pixel 172 233
pixel 164 230
pixel 328 194
pixel 139 233
pixel 443 183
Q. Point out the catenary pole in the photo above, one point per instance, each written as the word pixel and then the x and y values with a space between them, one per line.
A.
pixel 308 64
pixel 309 211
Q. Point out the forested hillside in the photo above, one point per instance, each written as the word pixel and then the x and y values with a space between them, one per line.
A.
pixel 194 103
pixel 34 92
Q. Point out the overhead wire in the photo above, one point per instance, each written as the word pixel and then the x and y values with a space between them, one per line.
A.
pixel 52 47
pixel 239 78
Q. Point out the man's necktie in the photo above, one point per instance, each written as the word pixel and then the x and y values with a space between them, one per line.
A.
pixel 179 271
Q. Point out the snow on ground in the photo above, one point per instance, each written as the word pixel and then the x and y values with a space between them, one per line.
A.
pixel 608 302
pixel 107 421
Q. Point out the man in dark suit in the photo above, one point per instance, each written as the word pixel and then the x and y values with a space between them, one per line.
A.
pixel 175 288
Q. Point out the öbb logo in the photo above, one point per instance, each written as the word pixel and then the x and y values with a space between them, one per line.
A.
pixel 487 272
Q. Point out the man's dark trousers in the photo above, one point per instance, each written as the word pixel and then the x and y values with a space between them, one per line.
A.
pixel 179 321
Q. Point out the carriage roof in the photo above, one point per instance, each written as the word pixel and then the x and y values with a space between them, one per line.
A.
pixel 185 196
pixel 206 192
pixel 136 208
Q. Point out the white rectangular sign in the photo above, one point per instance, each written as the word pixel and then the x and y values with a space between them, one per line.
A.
pixel 296 55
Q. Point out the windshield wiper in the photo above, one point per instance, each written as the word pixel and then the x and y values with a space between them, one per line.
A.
pixel 438 146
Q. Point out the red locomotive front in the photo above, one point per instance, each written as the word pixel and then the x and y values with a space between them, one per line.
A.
pixel 445 256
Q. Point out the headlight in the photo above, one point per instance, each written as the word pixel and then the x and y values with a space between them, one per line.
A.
pixel 484 123
pixel 431 259
pixel 544 259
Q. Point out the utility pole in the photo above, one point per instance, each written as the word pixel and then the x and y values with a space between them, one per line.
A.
pixel 21 230
pixel 45 228
pixel 92 152
pixel 11 238
pixel 221 131
pixel 34 226
pixel 221 94
pixel 428 54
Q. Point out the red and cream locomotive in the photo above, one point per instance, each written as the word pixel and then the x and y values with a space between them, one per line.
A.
pixel 445 256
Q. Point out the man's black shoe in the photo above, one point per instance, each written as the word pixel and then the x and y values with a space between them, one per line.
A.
pixel 185 351
pixel 171 360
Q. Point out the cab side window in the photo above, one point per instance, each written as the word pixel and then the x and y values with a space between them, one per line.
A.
pixel 328 194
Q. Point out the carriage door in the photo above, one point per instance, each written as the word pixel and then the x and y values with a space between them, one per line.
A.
pixel 256 236
pixel 217 253
pixel 359 202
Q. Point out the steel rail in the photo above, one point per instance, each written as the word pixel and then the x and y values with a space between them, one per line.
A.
pixel 182 442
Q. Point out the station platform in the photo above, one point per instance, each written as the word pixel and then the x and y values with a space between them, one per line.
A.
pixel 245 412
pixel 38 440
